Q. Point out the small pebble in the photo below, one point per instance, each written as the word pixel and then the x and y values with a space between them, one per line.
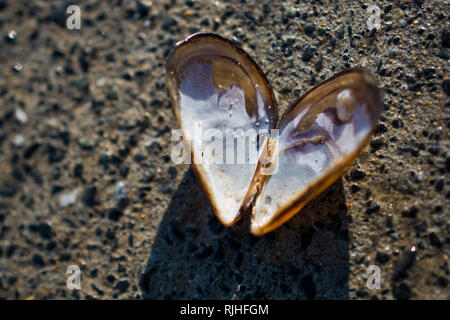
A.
pixel 121 196
pixel 88 196
pixel 69 198
pixel 357 174
pixel 19 140
pixel 122 285
pixel 21 116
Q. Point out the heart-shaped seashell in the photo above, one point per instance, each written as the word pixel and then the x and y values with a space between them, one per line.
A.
pixel 244 159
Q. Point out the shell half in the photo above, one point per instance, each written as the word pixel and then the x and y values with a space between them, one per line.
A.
pixel 217 89
pixel 322 133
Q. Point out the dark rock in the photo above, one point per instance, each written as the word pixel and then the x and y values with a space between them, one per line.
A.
pixel 114 214
pixel 168 23
pixel 65 256
pixel 377 143
pixel 51 245
pixel 443 53
pixel 382 257
pixel 402 291
pixel 10 249
pixel 319 64
pixel 124 169
pixel 172 171
pixel 372 208
pixel 443 282
pixel 110 57
pixel 371 33
pixel 127 76
pixel 204 22
pixel 439 186
pixel 110 234
pixel 38 260
pixel 88 196
pixel 190 3
pixel 78 170
pixel 357 174
pixel 308 53
pixel 121 268
pixel 8 190
pixel 56 189
pixel 446 86
pixel 408 149
pixel 110 278
pixel 434 149
pixel 64 136
pixel 411 212
pixel 381 128
pixel 55 154
pixel 310 29
pixel 97 289
pixel 112 95
pixel 86 143
pixel 445 38
pixel 355 188
pixel 36 175
pixel 434 240
pixel 403 264
pixel 154 148
pixel 415 86
pixel 17 174
pixel 45 230
pixel 361 293
pixel 420 226
pixel 12 280
pixel 30 150
pixel 133 140
pixel 396 123
pixel 122 285
pixel 143 8
pixel 429 73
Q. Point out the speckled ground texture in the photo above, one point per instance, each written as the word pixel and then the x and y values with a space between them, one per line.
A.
pixel 86 112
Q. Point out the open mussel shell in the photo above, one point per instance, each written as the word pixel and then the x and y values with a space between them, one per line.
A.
pixel 214 86
pixel 320 135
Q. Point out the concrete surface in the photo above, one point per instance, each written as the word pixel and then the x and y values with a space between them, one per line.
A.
pixel 82 110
